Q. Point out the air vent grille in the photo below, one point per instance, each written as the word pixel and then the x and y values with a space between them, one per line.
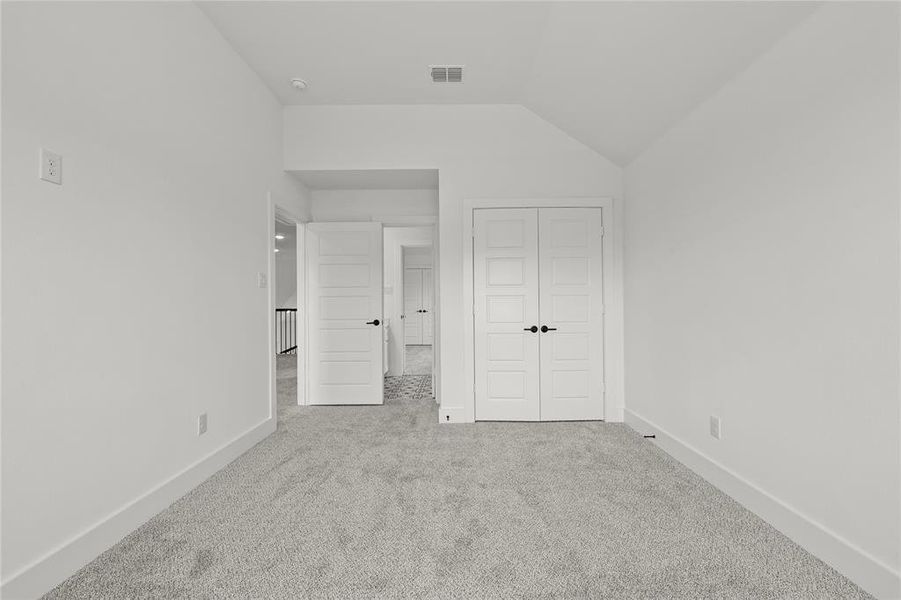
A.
pixel 446 73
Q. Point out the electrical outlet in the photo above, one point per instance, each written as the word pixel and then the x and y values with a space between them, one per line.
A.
pixel 51 167
pixel 261 280
pixel 716 428
pixel 201 424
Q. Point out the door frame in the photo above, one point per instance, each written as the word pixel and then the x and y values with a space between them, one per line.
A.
pixel 286 215
pixel 613 293
pixel 303 327
pixel 401 275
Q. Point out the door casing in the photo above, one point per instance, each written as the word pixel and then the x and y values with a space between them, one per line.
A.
pixel 303 392
pixel 277 211
pixel 613 308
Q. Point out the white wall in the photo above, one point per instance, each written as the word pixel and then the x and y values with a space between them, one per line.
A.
pixel 372 205
pixel 762 284
pixel 119 284
pixel 484 151
pixel 396 238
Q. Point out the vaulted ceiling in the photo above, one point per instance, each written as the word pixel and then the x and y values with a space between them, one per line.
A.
pixel 614 75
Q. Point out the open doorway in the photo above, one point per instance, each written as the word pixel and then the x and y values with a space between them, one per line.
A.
pixel 354 331
pixel 418 315
pixel 285 321
pixel 410 309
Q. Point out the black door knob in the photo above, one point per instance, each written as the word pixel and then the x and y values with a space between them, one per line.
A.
pixel 545 329
pixel 533 329
pixel 376 322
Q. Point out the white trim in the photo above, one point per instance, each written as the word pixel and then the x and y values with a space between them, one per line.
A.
pixel 273 214
pixel 56 566
pixel 405 221
pixel 856 564
pixel 387 220
pixel 301 321
pixel 454 414
pixel 279 212
pixel 613 296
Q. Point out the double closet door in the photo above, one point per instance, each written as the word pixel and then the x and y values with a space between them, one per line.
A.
pixel 418 305
pixel 539 315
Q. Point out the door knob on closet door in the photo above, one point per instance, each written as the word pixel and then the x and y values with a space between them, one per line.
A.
pixel 533 329
pixel 545 329
pixel 375 322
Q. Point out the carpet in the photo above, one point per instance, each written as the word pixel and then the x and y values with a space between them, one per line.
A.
pixel 286 383
pixel 383 502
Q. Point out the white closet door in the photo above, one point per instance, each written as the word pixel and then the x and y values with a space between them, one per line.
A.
pixel 344 271
pixel 427 322
pixel 572 350
pixel 505 272
pixel 412 304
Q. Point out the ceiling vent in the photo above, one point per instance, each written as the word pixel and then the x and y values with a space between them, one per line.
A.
pixel 446 73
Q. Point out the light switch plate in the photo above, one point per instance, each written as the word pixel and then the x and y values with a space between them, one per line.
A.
pixel 201 424
pixel 261 280
pixel 51 167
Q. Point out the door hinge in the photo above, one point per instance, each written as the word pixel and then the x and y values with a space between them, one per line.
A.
pixel 602 232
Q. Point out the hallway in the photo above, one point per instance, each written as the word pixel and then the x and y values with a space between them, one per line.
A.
pixel 418 360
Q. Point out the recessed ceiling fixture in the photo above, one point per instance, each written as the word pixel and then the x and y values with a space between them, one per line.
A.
pixel 276 249
pixel 446 73
pixel 279 236
pixel 299 84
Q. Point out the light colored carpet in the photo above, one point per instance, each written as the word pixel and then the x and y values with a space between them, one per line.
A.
pixel 383 502
pixel 286 381
pixel 418 360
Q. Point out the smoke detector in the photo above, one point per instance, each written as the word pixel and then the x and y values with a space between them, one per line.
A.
pixel 446 73
pixel 299 84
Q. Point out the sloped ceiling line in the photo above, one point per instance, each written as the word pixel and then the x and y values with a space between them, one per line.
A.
pixel 612 75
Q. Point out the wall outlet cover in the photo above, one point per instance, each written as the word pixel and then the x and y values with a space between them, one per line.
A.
pixel 716 427
pixel 51 167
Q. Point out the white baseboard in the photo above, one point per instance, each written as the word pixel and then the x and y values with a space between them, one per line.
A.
pixel 614 415
pixel 453 414
pixel 47 572
pixel 874 576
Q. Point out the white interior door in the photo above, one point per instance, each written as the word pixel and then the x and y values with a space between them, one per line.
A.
pixel 427 322
pixel 505 273
pixel 344 312
pixel 412 306
pixel 572 314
